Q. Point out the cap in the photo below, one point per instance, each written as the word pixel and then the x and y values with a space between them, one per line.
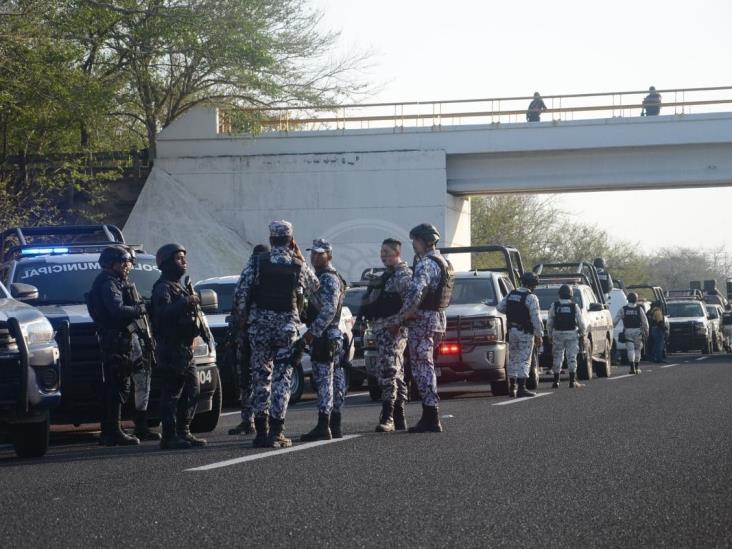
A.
pixel 320 246
pixel 280 228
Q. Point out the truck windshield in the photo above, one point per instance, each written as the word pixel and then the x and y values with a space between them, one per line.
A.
pixel 353 298
pixel 547 296
pixel 473 290
pixel 225 292
pixel 712 312
pixel 685 309
pixel 66 283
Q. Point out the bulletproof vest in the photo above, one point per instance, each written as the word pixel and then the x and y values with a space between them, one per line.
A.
pixel 727 319
pixel 377 302
pixel 185 329
pixel 565 317
pixel 518 312
pixel 631 317
pixel 313 310
pixel 95 303
pixel 439 298
pixel 277 284
pixel 604 281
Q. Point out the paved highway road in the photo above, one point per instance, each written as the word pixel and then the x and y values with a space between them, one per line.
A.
pixel 628 461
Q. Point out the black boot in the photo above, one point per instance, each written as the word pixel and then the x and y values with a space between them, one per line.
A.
pixel 632 368
pixel 246 427
pixel 184 433
pixel 555 384
pixel 276 437
pixel 261 426
pixel 430 421
pixel 335 425
pixel 321 430
pixel 637 368
pixel 512 387
pixel 112 433
pixel 400 420
pixel 573 380
pixel 386 421
pixel 142 431
pixel 522 390
pixel 171 441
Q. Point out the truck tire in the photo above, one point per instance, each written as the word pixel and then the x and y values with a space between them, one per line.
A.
pixel 500 388
pixel 605 364
pixel 298 384
pixel 31 439
pixel 707 349
pixel 584 363
pixel 207 421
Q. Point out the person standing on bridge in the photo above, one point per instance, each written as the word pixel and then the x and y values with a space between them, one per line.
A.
pixel 423 311
pixel 565 326
pixel 536 107
pixel 269 292
pixel 651 103
pixel 325 340
pixel 526 330
pixel 635 328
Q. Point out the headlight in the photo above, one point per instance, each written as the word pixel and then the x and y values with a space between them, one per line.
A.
pixel 200 347
pixel 38 332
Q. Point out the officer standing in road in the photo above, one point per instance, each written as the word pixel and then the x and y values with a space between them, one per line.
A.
pixel 270 288
pixel 112 309
pixel 727 327
pixel 565 326
pixel 242 357
pixel 606 281
pixel 175 329
pixel 424 311
pixel 391 288
pixel 635 328
pixel 526 330
pixel 326 342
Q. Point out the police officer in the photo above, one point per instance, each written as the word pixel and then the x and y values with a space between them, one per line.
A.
pixel 657 339
pixel 175 329
pixel 112 309
pixel 326 342
pixel 270 288
pixel 565 326
pixel 635 328
pixel 423 310
pixel 525 331
pixel 727 327
pixel 606 281
pixel 391 288
pixel 242 357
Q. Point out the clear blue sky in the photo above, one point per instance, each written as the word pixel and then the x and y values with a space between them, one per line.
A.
pixel 439 49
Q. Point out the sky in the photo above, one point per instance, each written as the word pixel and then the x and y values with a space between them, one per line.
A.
pixel 453 49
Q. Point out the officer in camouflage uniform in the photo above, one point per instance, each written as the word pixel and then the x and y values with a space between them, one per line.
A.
pixel 606 281
pixel 268 308
pixel 635 328
pixel 112 309
pixel 326 341
pixel 565 326
pixel 526 329
pixel 424 312
pixel 386 296
pixel 174 321
pixel 242 358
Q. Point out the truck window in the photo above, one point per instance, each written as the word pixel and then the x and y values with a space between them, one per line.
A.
pixel 225 293
pixel 505 286
pixel 473 290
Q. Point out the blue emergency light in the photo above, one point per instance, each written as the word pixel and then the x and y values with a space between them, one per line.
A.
pixel 43 251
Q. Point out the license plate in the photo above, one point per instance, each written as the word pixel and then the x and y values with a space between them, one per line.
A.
pixel 438 372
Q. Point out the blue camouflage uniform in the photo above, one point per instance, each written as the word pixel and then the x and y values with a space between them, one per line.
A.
pixel 426 327
pixel 272 333
pixel 521 338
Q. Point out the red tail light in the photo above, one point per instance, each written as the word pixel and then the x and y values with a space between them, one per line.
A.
pixel 449 348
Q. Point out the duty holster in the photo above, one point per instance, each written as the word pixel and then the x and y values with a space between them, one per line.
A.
pixel 323 350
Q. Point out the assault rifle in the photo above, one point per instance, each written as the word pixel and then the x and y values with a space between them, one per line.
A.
pixel 199 319
pixel 141 326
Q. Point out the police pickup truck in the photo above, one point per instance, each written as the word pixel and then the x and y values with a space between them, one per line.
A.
pixel 29 373
pixel 595 354
pixel 690 327
pixel 58 265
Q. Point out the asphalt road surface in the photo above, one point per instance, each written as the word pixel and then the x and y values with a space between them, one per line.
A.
pixel 630 461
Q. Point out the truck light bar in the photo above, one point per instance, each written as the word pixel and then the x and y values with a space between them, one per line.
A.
pixel 43 251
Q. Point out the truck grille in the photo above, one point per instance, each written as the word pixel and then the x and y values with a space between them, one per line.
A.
pixel 7 343
pixel 474 330
pixel 81 366
pixel 10 372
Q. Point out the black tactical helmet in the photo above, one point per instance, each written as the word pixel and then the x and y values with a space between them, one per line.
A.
pixel 599 263
pixel 425 232
pixel 529 280
pixel 167 252
pixel 632 297
pixel 565 292
pixel 112 255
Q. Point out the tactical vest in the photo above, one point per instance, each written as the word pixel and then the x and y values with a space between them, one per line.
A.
pixel 439 298
pixel 631 316
pixel 604 281
pixel 565 316
pixel 518 312
pixel 377 302
pixel 727 319
pixel 276 285
pixel 95 303
pixel 182 331
pixel 313 310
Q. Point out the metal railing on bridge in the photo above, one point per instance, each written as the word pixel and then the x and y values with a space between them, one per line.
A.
pixel 499 110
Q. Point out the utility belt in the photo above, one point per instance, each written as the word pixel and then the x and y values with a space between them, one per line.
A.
pixel 521 328
pixel 323 350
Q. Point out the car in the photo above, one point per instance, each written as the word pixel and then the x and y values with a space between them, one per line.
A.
pixel 595 356
pixel 690 328
pixel 714 312
pixel 30 375
pixel 353 300
pixel 58 265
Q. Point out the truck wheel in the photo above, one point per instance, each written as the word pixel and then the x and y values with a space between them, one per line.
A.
pixel 605 363
pixel 707 349
pixel 207 421
pixel 500 388
pixel 298 384
pixel 31 439
pixel 584 363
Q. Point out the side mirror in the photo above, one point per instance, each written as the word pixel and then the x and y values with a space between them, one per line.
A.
pixel 595 307
pixel 23 292
pixel 209 301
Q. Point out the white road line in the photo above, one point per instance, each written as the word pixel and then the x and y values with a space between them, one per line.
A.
pixel 669 365
pixel 702 358
pixel 263 455
pixel 620 377
pixel 522 399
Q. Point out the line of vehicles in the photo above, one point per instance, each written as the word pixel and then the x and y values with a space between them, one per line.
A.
pixel 50 362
